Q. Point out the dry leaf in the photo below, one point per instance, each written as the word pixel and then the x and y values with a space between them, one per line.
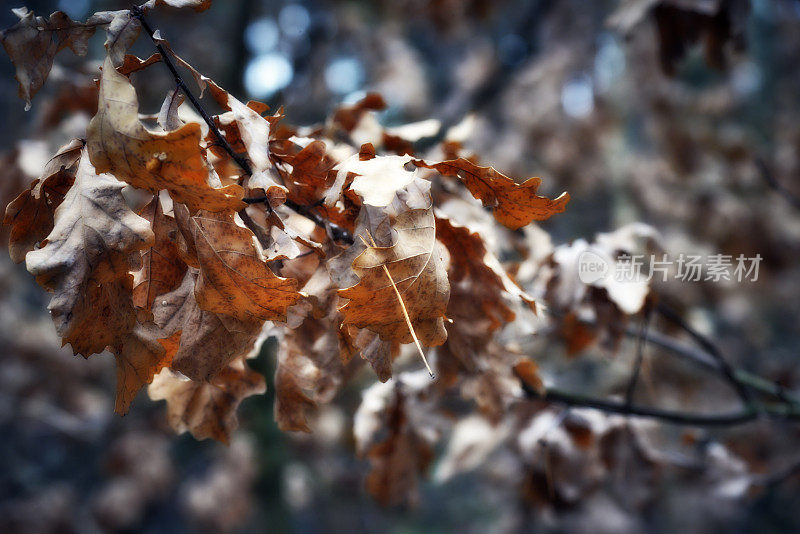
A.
pixel 471 263
pixel 120 144
pixel 121 33
pixel 396 431
pixel 139 358
pixel 31 213
pixel 94 243
pixel 515 205
pixel 416 266
pixel 168 114
pixel 377 352
pixel 33 43
pixel 162 269
pixel 309 370
pixel 200 343
pixel 207 409
pixel 234 278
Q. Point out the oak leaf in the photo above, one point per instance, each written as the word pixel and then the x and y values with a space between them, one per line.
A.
pixel 207 409
pixel 471 263
pixel 30 215
pixel 121 33
pixel 309 372
pixel 139 358
pixel 395 429
pixel 86 261
pixel 377 352
pixel 162 269
pixel 200 343
pixel 32 45
pixel 234 279
pixel 416 266
pixel 515 205
pixel 120 144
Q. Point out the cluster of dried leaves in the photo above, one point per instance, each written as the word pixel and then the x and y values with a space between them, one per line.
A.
pixel 349 254
pixel 342 252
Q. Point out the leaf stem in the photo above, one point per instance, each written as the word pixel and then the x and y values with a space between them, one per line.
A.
pixel 403 307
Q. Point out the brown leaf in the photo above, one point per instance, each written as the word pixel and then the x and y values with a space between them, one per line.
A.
pixel 184 240
pixel 33 43
pixel 86 261
pixel 201 343
pixel 139 358
pixel 207 409
pixel 309 170
pixel 131 63
pixel 528 372
pixel 168 114
pixel 394 429
pixel 347 117
pixel 515 205
pixel 162 269
pixel 235 279
pixel 119 143
pixel 30 215
pixel 416 266
pixel 377 352
pixel 121 33
pixel 243 125
pixel 309 372
pixel 471 263
pixel 292 405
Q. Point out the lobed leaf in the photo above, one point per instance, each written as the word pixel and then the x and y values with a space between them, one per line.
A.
pixel 94 242
pixel 120 144
pixel 514 205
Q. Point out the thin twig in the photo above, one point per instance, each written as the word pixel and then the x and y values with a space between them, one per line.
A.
pixel 337 232
pixel 577 400
pixel 166 57
pixel 701 358
pixel 637 367
pixel 724 367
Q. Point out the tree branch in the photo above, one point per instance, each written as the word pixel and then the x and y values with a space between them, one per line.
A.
pixel 788 408
pixel 336 232
pixel 640 343
pixel 577 400
pixel 710 348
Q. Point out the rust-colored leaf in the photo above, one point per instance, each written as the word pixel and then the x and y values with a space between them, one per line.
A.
pixel 200 343
pixel 139 358
pixel 491 288
pixel 120 144
pixel 234 278
pixel 417 268
pixel 162 269
pixel 30 215
pixel 207 409
pixel 515 205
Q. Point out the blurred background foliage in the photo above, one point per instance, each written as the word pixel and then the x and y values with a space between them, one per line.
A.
pixel 683 114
